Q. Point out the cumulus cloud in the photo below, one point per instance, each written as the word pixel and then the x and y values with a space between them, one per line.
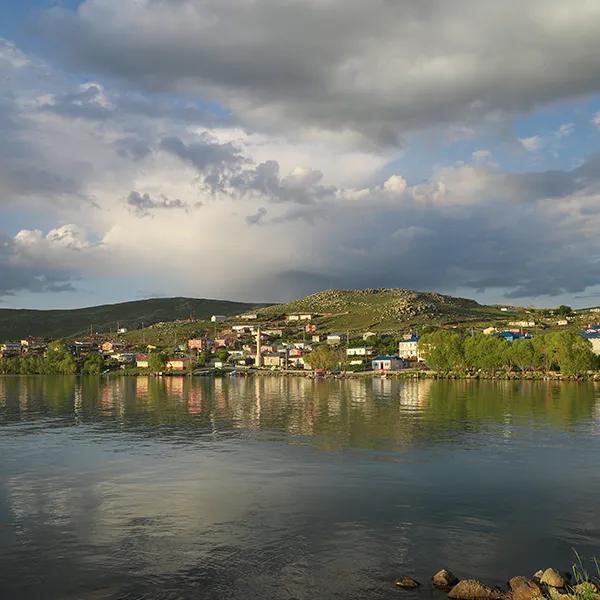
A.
pixel 398 67
pixel 33 262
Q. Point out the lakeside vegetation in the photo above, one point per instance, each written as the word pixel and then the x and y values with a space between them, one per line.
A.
pixel 562 351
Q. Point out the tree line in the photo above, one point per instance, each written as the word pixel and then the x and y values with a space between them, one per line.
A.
pixel 57 360
pixel 566 352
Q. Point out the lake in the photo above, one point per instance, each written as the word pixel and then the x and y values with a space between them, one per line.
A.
pixel 289 488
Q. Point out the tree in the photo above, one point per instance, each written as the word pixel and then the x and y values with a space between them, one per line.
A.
pixel 443 350
pixel 524 355
pixel 564 311
pixel 93 365
pixel 222 355
pixel 157 362
pixel 486 352
pixel 325 358
pixel 58 360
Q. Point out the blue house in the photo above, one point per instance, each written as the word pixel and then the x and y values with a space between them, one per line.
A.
pixel 511 336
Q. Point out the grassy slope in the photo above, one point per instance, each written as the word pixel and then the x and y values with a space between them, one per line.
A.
pixel 387 310
pixel 16 324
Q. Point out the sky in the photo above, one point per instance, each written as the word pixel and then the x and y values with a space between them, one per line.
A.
pixel 261 150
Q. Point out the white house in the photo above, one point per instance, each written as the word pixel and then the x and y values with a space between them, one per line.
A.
pixel 409 348
pixel 387 363
pixel 218 318
pixel 334 339
pixel 360 351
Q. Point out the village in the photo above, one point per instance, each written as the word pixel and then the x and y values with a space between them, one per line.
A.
pixel 250 342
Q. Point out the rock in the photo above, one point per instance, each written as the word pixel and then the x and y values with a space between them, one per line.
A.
pixel 556 595
pixel 472 589
pixel 523 588
pixel 553 578
pixel 444 579
pixel 538 574
pixel 407 583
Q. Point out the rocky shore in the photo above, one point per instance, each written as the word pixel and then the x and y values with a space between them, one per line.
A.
pixel 549 584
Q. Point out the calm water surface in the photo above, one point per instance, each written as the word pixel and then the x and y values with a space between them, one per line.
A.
pixel 288 488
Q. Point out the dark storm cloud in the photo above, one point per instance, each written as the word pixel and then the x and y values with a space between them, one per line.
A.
pixel 143 204
pixel 376 68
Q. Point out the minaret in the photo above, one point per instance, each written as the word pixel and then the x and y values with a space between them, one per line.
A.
pixel 258 362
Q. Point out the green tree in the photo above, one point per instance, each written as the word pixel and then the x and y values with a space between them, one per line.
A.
pixel 58 360
pixel 485 352
pixel 157 362
pixel 443 350
pixel 326 358
pixel 222 355
pixel 524 355
pixel 93 365
pixel 564 311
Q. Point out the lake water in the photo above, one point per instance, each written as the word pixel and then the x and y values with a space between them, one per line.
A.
pixel 283 488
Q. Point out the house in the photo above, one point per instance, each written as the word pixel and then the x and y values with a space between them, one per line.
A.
pixel 359 351
pixel 33 345
pixel 122 330
pixel 562 322
pixel 10 349
pixel 249 317
pixel 310 328
pixel 300 317
pixel 273 359
pixel 79 348
pixel 110 347
pixel 224 342
pixel 125 358
pixel 243 328
pixel 368 334
pixel 200 344
pixel 594 339
pixel 511 336
pixel 218 318
pixel 178 363
pixel 141 361
pixel 490 330
pixel 387 363
pixel 333 339
pixel 318 337
pixel 408 348
pixel 522 323
pixel 273 332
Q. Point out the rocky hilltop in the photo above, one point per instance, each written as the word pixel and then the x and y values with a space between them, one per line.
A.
pixel 385 307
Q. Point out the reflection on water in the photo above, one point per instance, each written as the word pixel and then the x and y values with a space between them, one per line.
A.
pixel 271 487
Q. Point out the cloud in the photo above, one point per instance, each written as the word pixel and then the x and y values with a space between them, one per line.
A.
pixel 398 67
pixel 32 261
pixel 531 144
pixel 142 204
pixel 596 120
pixel 565 130
pixel 12 56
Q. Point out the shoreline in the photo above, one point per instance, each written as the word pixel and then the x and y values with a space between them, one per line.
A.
pixel 412 374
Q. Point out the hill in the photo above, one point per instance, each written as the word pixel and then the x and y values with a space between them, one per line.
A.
pixel 19 323
pixel 386 309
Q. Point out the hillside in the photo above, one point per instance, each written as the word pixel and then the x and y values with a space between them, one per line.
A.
pixel 16 324
pixel 385 309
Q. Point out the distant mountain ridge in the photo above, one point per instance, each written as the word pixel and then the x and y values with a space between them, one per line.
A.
pixel 19 323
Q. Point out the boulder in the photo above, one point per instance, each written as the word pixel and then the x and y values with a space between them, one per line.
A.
pixel 407 583
pixel 553 578
pixel 556 595
pixel 472 589
pixel 444 579
pixel 523 588
pixel 538 574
